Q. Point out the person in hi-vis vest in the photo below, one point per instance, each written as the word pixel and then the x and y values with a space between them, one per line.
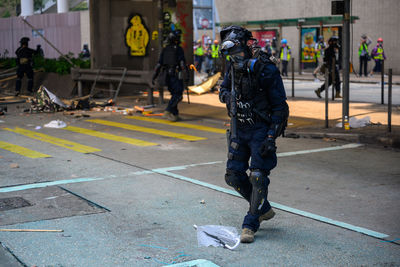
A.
pixel 284 56
pixel 378 54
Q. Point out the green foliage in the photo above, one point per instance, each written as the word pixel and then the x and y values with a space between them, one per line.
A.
pixel 6 14
pixel 8 7
pixel 7 63
pixel 80 6
pixel 60 65
pixel 38 5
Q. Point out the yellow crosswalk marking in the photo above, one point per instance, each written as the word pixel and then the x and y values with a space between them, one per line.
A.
pixel 148 130
pixel 132 141
pixel 54 140
pixel 22 151
pixel 179 124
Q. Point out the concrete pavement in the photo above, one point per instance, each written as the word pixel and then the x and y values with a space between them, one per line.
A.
pixel 135 206
pixel 125 205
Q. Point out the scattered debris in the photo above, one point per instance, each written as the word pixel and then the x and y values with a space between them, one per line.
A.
pixel 357 123
pixel 3 110
pixel 217 236
pixel 292 135
pixel 14 165
pixel 45 101
pixel 329 139
pixel 205 86
pixel 56 124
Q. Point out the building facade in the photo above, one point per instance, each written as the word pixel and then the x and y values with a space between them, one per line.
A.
pixel 377 19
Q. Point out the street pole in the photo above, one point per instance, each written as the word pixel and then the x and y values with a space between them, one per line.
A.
pixel 326 97
pixel 300 49
pixel 292 77
pixel 382 83
pixel 160 43
pixel 346 60
pixel 213 18
pixel 390 102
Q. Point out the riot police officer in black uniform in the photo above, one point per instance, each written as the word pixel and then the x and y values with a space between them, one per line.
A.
pixel 24 65
pixel 256 100
pixel 173 67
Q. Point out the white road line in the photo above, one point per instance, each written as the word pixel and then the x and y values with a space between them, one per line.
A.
pixel 167 172
pixel 333 148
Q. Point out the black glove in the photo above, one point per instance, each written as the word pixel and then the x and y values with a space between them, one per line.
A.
pixel 268 147
pixel 224 97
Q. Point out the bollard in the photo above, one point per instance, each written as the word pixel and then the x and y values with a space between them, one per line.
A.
pixel 292 77
pixel 382 82
pixel 333 78
pixel 326 97
pixel 390 102
pixel 161 95
pixel 150 99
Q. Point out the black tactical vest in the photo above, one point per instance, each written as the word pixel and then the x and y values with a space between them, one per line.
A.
pixel 252 100
pixel 170 56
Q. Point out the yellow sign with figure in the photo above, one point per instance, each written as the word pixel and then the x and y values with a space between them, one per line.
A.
pixel 137 37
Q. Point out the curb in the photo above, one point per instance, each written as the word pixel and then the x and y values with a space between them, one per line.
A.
pixel 386 141
pixel 351 81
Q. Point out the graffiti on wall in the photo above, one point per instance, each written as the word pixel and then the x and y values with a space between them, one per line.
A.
pixel 176 19
pixel 136 36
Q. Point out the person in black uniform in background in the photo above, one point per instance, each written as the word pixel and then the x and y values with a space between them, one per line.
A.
pixel 39 50
pixel 24 65
pixel 332 52
pixel 173 64
pixel 258 110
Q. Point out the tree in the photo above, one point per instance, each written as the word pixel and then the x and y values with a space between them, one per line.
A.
pixel 38 5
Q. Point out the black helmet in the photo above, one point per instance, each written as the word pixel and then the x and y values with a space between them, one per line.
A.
pixel 24 40
pixel 234 38
pixel 236 33
pixel 174 37
pixel 333 39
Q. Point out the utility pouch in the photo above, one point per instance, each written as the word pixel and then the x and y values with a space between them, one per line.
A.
pixel 23 61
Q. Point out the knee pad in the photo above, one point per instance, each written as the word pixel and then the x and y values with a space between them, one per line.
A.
pixel 240 182
pixel 259 179
pixel 258 200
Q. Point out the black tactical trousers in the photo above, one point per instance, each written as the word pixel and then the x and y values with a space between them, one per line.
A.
pixel 21 71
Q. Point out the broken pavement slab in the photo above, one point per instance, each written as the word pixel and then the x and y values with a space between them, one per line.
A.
pixel 44 204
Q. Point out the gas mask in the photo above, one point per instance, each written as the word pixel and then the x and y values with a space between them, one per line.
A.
pixel 237 54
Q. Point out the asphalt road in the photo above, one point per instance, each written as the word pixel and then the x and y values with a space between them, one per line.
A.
pixel 359 92
pixel 121 204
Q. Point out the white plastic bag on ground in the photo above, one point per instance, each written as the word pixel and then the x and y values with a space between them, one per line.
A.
pixel 56 124
pixel 217 236
pixel 357 123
